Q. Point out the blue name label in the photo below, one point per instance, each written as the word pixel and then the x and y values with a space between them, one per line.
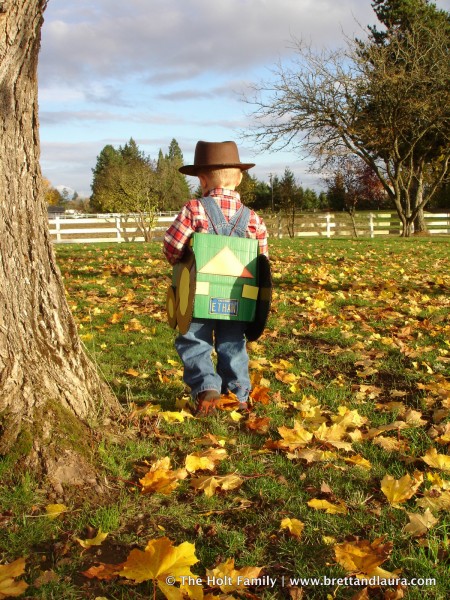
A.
pixel 223 306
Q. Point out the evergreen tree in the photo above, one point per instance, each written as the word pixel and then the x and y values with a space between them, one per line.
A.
pixel 107 161
pixel 173 188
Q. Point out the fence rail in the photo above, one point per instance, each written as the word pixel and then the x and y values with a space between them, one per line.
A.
pixel 125 228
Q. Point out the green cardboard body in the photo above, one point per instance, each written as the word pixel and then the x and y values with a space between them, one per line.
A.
pixel 224 299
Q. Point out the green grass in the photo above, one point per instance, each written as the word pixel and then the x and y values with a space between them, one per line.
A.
pixel 358 323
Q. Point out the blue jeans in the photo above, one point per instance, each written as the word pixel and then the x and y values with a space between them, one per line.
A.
pixel 195 348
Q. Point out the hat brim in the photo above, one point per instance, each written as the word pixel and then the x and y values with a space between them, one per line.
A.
pixel 195 169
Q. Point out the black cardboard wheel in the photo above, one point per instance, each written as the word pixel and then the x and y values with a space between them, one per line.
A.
pixel 256 327
pixel 171 307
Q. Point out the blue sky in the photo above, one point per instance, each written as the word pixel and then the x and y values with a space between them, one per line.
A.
pixel 156 70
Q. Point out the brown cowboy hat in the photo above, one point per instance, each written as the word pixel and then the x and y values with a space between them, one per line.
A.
pixel 215 155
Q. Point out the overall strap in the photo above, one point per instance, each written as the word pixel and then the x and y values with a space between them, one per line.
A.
pixel 239 222
pixel 236 226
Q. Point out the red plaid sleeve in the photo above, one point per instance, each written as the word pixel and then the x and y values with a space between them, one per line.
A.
pixel 177 236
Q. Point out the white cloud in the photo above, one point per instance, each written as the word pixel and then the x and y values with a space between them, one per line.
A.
pixel 169 40
pixel 162 69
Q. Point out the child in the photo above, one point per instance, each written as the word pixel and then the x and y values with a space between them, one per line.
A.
pixel 220 211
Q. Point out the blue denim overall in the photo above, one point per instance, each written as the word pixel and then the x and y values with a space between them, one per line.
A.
pixel 226 337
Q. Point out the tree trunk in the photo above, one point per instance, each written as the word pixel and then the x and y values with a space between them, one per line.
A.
pixel 50 393
pixel 420 225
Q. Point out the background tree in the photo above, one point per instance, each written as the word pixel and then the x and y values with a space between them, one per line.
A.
pixel 289 196
pixel 51 194
pixel 353 185
pixel 125 181
pixel 173 188
pixel 247 189
pixel 107 160
pixel 48 387
pixel 399 19
pixel 385 103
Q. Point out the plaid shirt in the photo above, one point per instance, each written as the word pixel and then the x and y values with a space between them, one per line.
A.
pixel 192 218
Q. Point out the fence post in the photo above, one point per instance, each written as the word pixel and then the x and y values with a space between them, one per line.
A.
pixel 371 226
pixel 58 228
pixel 118 229
pixel 328 216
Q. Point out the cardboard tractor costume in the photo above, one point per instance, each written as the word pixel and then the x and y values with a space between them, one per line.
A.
pixel 221 277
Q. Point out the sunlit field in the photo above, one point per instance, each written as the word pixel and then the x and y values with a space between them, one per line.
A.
pixel 335 485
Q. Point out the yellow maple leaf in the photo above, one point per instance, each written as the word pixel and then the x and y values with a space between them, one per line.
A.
pixel 133 325
pixel 438 461
pixel 210 483
pixel 258 424
pixel 390 444
pixel 414 418
pixel 206 460
pixel 55 510
pixel 159 561
pixel 400 490
pixel 96 541
pixel 348 418
pixel 161 478
pixel 294 525
pixel 294 438
pixel 332 435
pixel 285 377
pixel 311 455
pixel 132 373
pixel 233 579
pixel 359 461
pixel 332 509
pixel 235 416
pixel 362 556
pixel 8 573
pixel 435 500
pixel 419 524
pixel 175 416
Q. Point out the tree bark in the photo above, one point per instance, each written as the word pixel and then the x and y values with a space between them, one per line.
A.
pixel 50 393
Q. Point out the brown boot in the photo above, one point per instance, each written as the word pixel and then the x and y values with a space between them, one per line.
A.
pixel 207 402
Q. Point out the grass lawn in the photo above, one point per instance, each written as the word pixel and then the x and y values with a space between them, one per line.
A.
pixel 341 468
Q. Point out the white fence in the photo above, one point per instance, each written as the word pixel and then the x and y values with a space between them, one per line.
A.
pixel 124 228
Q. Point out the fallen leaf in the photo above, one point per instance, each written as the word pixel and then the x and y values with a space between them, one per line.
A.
pixel 8 573
pixel 159 560
pixel 438 461
pixel 362 556
pixel 96 541
pixel 332 509
pixel 419 524
pixel 209 484
pixel 161 478
pixel 103 571
pixel 400 490
pixel 359 461
pixel 391 444
pixel 233 579
pixel 132 373
pixel 55 510
pixel 294 525
pixel 298 437
pixel 206 460
pixel 175 416
pixel 236 416
pixel 435 500
pixel 260 394
pixel 312 456
pixel 258 424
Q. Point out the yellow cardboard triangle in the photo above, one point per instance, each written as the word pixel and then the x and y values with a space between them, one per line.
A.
pixel 226 262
